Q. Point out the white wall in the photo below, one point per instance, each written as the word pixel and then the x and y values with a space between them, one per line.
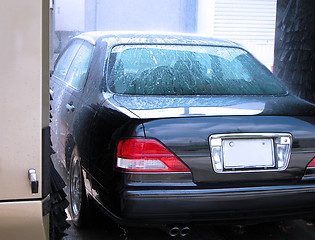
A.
pixel 205 17
pixel 248 22
pixel 139 15
pixel 70 15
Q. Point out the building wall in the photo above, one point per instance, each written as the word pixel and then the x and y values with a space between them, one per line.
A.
pixel 205 17
pixel 75 16
pixel 126 15
pixel 250 23
pixel 69 15
pixel 245 19
pixel 140 15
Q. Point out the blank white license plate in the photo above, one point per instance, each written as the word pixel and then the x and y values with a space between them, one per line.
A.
pixel 248 153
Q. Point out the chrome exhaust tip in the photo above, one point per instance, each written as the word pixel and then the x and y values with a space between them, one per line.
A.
pixel 184 231
pixel 174 231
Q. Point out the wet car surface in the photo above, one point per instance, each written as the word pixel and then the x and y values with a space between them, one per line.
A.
pixel 163 130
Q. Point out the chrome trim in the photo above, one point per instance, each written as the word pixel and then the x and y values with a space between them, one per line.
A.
pixel 215 140
pixel 249 109
pixel 32 175
pixel 173 232
pixel 184 231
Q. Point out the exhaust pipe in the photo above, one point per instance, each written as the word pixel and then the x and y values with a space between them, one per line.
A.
pixel 184 231
pixel 174 231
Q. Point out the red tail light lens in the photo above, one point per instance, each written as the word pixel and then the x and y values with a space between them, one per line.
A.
pixel 310 170
pixel 146 155
pixel 311 163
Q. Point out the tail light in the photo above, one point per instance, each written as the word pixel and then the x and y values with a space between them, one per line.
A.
pixel 310 169
pixel 311 163
pixel 146 155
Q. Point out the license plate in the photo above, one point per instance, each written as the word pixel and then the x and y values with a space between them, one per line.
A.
pixel 248 153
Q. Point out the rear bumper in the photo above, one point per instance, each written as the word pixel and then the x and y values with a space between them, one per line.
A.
pixel 218 205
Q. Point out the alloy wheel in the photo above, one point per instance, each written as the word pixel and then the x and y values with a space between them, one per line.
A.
pixel 75 186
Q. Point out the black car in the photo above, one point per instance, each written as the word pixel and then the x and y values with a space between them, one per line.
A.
pixel 174 129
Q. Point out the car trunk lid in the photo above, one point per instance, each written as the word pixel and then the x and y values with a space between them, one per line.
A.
pixel 188 138
pixel 186 124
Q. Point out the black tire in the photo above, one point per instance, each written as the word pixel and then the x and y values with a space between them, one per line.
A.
pixel 77 193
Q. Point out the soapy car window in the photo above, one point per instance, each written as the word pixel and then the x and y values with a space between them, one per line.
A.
pixel 188 70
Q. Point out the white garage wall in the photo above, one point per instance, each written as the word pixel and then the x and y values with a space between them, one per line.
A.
pixel 205 17
pixel 245 19
pixel 249 22
pixel 69 15
pixel 139 15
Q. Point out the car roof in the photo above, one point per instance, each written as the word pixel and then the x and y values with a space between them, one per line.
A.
pixel 114 38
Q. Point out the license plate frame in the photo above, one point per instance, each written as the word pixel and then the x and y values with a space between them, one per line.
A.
pixel 248 153
pixel 281 159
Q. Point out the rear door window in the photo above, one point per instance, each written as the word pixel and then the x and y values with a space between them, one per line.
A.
pixel 65 60
pixel 78 69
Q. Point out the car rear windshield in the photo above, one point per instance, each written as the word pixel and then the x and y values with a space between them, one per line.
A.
pixel 188 70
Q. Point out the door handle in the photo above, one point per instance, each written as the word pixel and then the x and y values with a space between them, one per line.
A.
pixel 33 179
pixel 70 107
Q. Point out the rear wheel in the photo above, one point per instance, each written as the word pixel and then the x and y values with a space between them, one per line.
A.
pixel 77 195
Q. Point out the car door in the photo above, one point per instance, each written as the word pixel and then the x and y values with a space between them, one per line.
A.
pixel 60 95
pixel 75 115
